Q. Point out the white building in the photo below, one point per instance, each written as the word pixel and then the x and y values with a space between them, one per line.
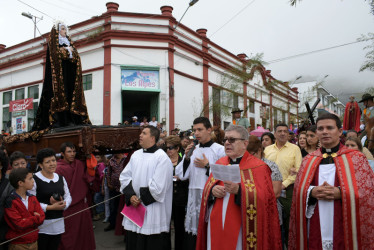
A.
pixel 310 91
pixel 182 72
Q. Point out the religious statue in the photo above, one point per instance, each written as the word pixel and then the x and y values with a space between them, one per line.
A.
pixel 352 115
pixel 62 102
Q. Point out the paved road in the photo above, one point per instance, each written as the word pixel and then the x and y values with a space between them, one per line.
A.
pixel 107 240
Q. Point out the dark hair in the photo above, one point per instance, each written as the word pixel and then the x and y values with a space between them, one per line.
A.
pixel 205 121
pixel 44 153
pixel 66 145
pixel 357 141
pixel 16 155
pixel 271 136
pixel 329 116
pixel 154 132
pixel 4 163
pixel 312 128
pixel 16 175
pixel 280 125
pixel 352 131
pixel 254 144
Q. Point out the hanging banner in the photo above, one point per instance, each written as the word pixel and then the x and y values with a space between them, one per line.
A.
pixel 20 105
pixel 140 80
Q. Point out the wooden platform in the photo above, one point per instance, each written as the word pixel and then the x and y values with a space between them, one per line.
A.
pixel 87 140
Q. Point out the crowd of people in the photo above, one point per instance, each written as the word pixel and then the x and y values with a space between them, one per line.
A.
pixel 313 191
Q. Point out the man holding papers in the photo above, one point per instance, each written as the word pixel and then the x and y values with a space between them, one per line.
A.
pixel 147 180
pixel 239 215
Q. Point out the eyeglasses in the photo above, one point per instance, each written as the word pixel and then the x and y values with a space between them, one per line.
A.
pixel 231 140
pixel 171 148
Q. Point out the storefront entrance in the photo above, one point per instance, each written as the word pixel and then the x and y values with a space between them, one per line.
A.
pixel 140 104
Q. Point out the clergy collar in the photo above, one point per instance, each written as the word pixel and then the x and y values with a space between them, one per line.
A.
pixel 236 161
pixel 206 145
pixel 331 150
pixel 152 149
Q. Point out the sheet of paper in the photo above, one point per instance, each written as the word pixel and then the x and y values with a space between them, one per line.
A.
pixel 226 172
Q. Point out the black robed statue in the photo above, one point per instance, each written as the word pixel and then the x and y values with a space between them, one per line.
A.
pixel 62 102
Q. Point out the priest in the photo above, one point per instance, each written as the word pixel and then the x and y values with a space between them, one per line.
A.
pixel 239 215
pixel 195 168
pixel 333 201
pixel 148 179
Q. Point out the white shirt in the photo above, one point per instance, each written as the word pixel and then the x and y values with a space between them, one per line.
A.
pixel 52 226
pixel 153 123
pixel 153 170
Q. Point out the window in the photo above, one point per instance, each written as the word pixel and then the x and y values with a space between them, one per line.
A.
pixel 33 92
pixel 251 106
pixel 7 118
pixel 7 97
pixel 216 107
pixel 31 114
pixel 20 94
pixel 87 82
pixel 235 101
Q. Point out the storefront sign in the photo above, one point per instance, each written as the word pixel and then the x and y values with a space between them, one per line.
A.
pixel 140 80
pixel 19 125
pixel 19 113
pixel 20 105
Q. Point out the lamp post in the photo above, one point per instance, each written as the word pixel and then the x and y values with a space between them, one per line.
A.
pixel 192 3
pixel 33 19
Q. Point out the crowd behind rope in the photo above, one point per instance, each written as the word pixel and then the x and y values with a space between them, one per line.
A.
pixel 33 202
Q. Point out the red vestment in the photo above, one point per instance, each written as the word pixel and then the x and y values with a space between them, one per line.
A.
pixel 352 117
pixel 353 214
pixel 79 233
pixel 260 226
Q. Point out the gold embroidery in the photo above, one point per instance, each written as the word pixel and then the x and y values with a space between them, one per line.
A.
pixel 249 185
pixel 251 212
pixel 251 239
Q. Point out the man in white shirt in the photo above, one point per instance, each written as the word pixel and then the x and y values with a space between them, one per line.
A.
pixel 148 179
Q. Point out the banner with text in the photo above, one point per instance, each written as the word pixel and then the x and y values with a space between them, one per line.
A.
pixel 19 105
pixel 140 80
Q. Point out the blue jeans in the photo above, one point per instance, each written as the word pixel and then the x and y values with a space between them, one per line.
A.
pixel 98 197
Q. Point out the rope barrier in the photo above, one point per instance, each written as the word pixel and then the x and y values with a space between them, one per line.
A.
pixel 63 218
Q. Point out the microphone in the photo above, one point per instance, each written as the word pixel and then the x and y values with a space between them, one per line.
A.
pixel 188 155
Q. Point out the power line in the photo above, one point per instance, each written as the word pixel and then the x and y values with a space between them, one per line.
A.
pixel 232 18
pixel 36 9
pixel 311 52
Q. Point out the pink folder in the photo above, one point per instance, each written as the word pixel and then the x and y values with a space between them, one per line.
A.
pixel 135 214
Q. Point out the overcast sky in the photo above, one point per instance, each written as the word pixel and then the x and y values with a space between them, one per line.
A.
pixel 271 27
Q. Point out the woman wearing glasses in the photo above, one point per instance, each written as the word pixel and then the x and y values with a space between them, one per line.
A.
pixel 180 190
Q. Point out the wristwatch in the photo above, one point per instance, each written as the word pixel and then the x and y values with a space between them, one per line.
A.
pixel 207 166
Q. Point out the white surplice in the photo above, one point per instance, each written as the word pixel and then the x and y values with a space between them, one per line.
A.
pixel 325 208
pixel 153 170
pixel 197 178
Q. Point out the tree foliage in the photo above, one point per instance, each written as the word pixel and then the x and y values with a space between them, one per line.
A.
pixel 369 63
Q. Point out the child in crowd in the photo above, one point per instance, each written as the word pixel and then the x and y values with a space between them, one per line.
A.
pixel 99 196
pixel 18 160
pixel 52 192
pixel 23 212
pixel 105 191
